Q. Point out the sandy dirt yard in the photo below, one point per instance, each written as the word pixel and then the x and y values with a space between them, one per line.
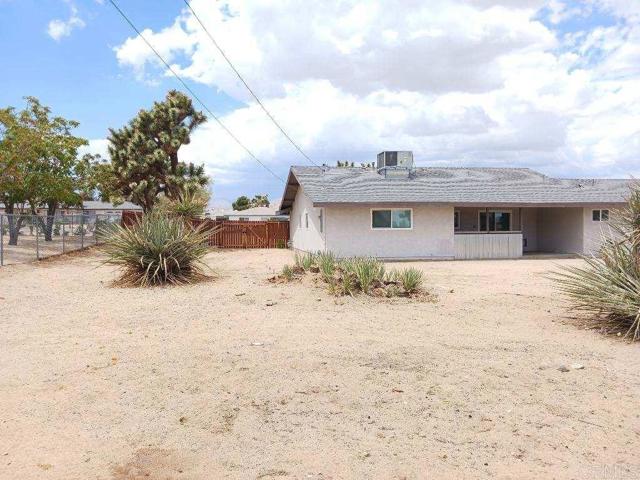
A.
pixel 240 378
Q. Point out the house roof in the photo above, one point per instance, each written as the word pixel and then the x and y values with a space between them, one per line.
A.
pixel 451 185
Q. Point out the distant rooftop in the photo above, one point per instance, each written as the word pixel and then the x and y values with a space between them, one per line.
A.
pixel 459 186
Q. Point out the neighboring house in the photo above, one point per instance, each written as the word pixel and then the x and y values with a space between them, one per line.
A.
pixel 105 208
pixel 89 207
pixel 251 214
pixel 397 211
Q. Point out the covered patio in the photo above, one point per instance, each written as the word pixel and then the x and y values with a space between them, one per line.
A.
pixel 509 231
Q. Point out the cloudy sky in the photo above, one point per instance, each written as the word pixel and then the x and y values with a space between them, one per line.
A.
pixel 548 84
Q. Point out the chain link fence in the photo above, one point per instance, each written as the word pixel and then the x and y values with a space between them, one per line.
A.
pixel 25 238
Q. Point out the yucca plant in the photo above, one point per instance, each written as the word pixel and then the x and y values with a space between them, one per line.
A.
pixel 157 249
pixel 608 287
pixel 304 261
pixel 287 273
pixel 192 203
pixel 327 264
pixel 410 278
pixel 366 270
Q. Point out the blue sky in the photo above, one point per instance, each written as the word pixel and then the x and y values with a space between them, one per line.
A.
pixel 78 76
pixel 548 84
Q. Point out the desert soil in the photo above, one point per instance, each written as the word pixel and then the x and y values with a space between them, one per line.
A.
pixel 240 378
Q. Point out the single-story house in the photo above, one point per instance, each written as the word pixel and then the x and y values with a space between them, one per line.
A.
pixel 398 211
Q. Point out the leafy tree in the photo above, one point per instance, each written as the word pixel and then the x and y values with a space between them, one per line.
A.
pixel 260 201
pixel 41 155
pixel 241 203
pixel 345 164
pixel 144 154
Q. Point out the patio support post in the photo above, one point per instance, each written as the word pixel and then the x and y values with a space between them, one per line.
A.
pixel 63 232
pixel 82 231
pixel 486 216
pixel 520 219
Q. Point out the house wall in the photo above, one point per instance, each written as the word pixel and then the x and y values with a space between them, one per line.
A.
pixel 349 233
pixel 303 238
pixel 560 230
pixel 595 232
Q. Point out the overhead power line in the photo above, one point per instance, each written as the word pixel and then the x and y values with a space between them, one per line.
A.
pixel 224 55
pixel 193 94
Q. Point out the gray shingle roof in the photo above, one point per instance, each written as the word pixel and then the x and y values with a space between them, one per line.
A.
pixel 459 186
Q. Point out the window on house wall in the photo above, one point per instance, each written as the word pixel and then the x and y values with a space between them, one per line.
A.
pixel 306 220
pixel 392 218
pixel 321 218
pixel 600 215
pixel 456 220
pixel 494 221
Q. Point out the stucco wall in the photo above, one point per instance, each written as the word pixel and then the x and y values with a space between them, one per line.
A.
pixel 303 238
pixel 594 231
pixel 349 233
pixel 560 230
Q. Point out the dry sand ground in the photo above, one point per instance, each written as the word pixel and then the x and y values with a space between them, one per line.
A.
pixel 209 381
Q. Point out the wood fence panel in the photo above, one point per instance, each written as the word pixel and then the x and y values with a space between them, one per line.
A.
pixel 234 234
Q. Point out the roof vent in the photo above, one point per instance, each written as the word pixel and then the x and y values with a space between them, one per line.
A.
pixel 395 164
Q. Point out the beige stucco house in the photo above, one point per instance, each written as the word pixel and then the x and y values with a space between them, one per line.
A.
pixel 398 211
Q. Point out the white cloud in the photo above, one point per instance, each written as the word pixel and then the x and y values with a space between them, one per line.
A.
pixel 57 29
pixel 482 82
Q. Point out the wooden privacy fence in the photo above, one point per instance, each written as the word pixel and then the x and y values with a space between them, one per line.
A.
pixel 235 234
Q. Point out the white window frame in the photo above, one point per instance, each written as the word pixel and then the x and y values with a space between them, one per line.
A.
pixel 497 210
pixel 456 213
pixel 396 229
pixel 600 210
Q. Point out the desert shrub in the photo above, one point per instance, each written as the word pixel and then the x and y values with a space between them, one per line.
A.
pixel 608 287
pixel 410 278
pixel 157 249
pixel 366 270
pixel 327 264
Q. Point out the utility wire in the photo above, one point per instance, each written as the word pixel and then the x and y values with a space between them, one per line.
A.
pixel 193 94
pixel 275 122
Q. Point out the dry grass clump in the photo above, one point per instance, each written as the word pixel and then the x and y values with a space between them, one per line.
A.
pixel 355 275
pixel 158 249
pixel 608 288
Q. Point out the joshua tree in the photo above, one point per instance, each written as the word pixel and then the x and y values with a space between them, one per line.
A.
pixel 144 154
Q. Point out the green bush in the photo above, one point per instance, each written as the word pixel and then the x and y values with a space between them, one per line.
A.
pixel 608 287
pixel 158 249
